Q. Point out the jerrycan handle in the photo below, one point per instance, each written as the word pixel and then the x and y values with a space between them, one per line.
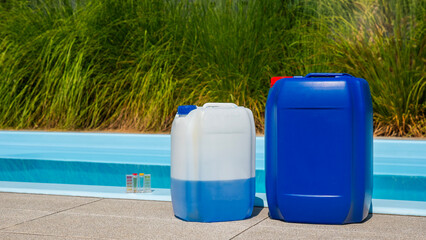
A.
pixel 221 105
pixel 310 75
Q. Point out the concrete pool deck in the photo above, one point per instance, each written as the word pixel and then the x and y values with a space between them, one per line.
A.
pixel 33 216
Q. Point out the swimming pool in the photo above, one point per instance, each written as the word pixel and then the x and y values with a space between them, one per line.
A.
pixel 57 162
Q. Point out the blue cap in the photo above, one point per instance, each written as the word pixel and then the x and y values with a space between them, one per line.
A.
pixel 185 109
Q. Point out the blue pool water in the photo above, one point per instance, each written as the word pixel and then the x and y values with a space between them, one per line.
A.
pixel 199 200
pixel 100 159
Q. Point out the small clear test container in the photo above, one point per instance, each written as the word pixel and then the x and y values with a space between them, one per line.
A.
pixel 129 183
pixel 147 183
pixel 135 182
pixel 140 183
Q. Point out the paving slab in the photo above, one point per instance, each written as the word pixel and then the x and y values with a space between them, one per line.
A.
pixel 19 208
pixel 106 227
pixel 10 217
pixel 91 218
pixel 144 209
pixel 50 203
pixel 24 236
pixel 132 219
pixel 128 208
pixel 377 227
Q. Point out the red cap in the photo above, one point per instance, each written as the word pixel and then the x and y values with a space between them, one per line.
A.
pixel 135 174
pixel 275 79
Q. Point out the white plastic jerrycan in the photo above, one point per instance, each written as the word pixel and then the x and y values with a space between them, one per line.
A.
pixel 213 162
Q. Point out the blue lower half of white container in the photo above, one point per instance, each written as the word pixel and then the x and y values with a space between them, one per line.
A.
pixel 213 201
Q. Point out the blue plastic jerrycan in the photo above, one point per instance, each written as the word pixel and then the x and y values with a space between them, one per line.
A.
pixel 319 149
